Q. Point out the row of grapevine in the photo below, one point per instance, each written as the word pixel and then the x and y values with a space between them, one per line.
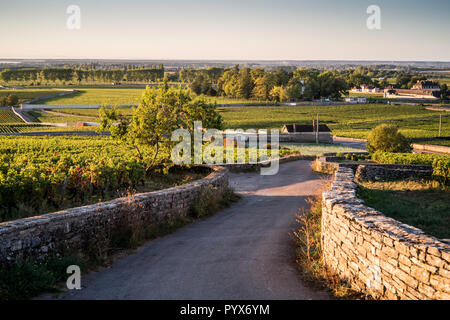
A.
pixel 440 162
pixel 39 173
pixel 23 127
pixel 7 116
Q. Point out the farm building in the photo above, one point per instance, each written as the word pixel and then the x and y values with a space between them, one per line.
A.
pixel 366 89
pixel 421 90
pixel 356 99
pixel 305 133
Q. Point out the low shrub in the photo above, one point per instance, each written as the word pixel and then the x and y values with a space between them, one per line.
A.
pixel 386 138
pixel 356 157
pixel 26 278
pixel 441 169
pixel 211 201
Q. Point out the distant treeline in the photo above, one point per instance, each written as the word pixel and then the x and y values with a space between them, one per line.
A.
pixel 77 76
pixel 261 85
pixel 285 84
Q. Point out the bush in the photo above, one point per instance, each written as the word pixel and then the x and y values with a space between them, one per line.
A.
pixel 356 157
pixel 441 169
pixel 26 278
pixel 387 138
pixel 211 201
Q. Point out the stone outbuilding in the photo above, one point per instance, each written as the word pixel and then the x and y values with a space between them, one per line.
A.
pixel 306 133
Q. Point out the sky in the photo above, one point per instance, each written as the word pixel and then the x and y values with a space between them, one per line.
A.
pixel 411 30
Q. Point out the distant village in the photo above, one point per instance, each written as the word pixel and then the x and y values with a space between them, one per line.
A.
pixel 423 89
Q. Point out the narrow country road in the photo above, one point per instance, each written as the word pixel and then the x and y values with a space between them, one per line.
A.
pixel 243 252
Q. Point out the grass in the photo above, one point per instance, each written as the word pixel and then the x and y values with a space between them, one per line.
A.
pixel 368 95
pixel 309 251
pixel 422 204
pixel 26 278
pixel 445 143
pixel 43 116
pixel 28 94
pixel 225 100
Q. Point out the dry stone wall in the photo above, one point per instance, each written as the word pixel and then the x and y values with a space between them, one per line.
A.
pixel 376 254
pixel 375 171
pixel 92 227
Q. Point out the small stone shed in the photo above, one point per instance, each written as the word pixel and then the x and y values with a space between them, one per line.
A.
pixel 306 133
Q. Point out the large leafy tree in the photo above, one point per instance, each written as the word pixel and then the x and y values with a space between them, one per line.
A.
pixel 160 112
pixel 245 84
pixel 12 100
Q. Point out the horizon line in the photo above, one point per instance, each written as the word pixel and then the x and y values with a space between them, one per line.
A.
pixel 245 60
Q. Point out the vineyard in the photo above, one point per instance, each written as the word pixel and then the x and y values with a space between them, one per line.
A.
pixel 38 175
pixel 347 120
pixel 28 94
pixel 29 127
pixel 440 163
pixel 7 116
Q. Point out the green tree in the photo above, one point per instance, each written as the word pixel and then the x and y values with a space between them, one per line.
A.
pixel 263 86
pixel 160 112
pixel 357 79
pixel 444 91
pixel 294 89
pixel 199 84
pixel 279 94
pixel 12 100
pixel 245 84
pixel 386 138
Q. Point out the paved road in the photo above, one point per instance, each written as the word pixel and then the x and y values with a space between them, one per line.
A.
pixel 243 252
pixel 353 143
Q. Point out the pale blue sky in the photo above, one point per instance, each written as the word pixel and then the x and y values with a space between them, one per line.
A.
pixel 231 29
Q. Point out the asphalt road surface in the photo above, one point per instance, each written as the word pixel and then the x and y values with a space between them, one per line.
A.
pixel 243 252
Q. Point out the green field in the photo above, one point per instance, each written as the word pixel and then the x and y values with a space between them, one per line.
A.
pixel 43 116
pixel 410 128
pixel 100 96
pixel 345 120
pixel 275 117
pixel 24 127
pixel 28 94
pixel 445 143
pixel 118 96
pixel 89 112
pixel 368 95
pixel 423 204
